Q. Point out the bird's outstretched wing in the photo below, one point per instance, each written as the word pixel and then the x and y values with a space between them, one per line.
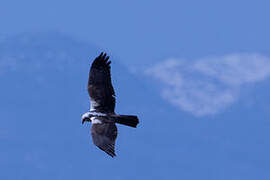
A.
pixel 100 87
pixel 104 135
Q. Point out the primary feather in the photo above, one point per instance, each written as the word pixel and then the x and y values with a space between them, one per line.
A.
pixel 100 87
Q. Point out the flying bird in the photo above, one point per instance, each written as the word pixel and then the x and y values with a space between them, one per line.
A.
pixel 102 100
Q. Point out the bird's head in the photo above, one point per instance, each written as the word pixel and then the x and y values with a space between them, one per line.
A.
pixel 86 117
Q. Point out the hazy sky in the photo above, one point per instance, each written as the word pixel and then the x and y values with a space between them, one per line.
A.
pixel 143 32
pixel 196 73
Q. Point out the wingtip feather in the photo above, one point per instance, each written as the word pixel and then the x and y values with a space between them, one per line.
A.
pixel 102 61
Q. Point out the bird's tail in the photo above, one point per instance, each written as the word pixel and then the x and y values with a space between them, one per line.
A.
pixel 127 120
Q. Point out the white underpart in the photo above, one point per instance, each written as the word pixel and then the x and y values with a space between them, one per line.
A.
pixel 85 115
pixel 95 120
pixel 97 114
pixel 93 105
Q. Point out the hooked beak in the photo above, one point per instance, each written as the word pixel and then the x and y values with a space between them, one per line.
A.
pixel 85 119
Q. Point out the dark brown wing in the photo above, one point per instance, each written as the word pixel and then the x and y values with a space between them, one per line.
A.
pixel 104 136
pixel 100 87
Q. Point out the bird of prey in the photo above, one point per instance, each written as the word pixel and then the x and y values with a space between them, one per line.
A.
pixel 102 99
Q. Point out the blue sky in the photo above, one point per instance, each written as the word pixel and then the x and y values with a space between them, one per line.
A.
pixel 196 73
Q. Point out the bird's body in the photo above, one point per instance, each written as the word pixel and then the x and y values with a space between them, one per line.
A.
pixel 101 114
